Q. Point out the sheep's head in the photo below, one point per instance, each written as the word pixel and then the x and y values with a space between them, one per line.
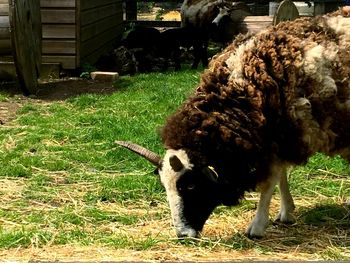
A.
pixel 192 192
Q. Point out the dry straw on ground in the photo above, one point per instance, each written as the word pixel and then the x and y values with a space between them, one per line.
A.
pixel 223 238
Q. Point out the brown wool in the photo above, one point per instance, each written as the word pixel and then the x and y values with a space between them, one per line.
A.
pixel 277 107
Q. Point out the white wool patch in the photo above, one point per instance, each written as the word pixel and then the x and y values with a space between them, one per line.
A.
pixel 169 178
pixel 317 65
pixel 341 25
pixel 235 62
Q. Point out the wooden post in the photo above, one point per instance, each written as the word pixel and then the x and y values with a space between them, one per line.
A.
pixel 25 22
pixel 131 9
pixel 285 11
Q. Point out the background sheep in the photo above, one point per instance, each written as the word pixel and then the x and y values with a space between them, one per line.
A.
pixel 216 20
pixel 172 40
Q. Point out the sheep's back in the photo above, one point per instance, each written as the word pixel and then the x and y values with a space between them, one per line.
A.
pixel 284 91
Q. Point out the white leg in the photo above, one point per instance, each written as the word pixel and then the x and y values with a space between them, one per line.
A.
pixel 287 204
pixel 257 227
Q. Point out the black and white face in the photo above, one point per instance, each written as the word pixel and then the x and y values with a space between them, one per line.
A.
pixel 192 192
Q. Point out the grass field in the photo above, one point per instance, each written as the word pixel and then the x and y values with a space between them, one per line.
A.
pixel 67 192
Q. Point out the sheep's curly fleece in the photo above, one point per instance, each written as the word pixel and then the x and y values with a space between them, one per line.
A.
pixel 282 94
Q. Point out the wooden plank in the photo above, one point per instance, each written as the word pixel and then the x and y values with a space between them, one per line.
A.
pixel 58 16
pixel 92 57
pixel 77 33
pixel 57 3
pixel 254 24
pixel 59 31
pixel 7 70
pixel 98 41
pixel 258 19
pixel 4 21
pixel 5 33
pixel 59 47
pixel 88 4
pixel 92 30
pixel 6 58
pixel 4 9
pixel 4 2
pixel 92 15
pixel 67 62
pixel 5 46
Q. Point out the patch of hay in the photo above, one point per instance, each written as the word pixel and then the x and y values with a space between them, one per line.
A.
pixel 172 16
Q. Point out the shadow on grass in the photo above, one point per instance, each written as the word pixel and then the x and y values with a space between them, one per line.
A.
pixel 329 215
pixel 67 88
pixel 322 230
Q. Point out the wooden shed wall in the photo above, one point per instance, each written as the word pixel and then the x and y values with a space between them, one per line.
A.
pixel 59 29
pixel 79 31
pixel 101 23
pixel 5 41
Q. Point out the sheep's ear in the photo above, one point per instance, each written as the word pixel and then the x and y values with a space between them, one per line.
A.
pixel 210 172
pixel 175 163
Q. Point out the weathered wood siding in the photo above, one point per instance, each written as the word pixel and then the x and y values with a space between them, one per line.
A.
pixel 101 23
pixel 59 27
pixel 79 31
pixel 5 41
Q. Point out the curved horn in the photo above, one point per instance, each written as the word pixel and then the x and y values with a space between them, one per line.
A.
pixel 147 154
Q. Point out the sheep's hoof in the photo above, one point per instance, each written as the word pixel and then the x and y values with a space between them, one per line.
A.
pixel 285 218
pixel 253 236
pixel 255 232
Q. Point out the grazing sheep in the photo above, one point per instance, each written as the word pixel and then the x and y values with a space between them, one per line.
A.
pixel 265 103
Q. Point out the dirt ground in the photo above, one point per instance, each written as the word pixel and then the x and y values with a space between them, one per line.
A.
pixel 57 90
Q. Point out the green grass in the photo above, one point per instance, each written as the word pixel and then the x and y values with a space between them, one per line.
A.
pixel 64 181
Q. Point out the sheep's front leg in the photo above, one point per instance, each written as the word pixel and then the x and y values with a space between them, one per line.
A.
pixel 257 227
pixel 287 204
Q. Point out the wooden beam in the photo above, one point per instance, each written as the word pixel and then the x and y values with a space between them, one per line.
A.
pixel 59 31
pixel 59 47
pixel 92 30
pixel 67 62
pixel 89 4
pixel 58 16
pixel 4 9
pixel 57 3
pixel 93 15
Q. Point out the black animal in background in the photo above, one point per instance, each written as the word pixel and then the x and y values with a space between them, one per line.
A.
pixel 172 40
